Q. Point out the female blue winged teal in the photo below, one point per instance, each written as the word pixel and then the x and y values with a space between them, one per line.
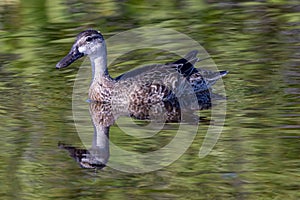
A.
pixel 149 85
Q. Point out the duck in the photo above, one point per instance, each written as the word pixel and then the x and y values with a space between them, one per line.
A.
pixel 153 84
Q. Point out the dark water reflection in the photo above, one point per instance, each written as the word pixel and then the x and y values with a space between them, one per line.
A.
pixel 257 155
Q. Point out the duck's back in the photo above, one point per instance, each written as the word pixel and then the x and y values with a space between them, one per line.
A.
pixel 169 82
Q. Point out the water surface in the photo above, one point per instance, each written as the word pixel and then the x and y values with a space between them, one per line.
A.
pixel 257 155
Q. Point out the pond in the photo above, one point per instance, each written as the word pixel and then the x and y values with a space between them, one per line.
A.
pixel 256 156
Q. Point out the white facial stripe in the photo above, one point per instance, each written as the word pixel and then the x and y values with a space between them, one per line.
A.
pixel 82 49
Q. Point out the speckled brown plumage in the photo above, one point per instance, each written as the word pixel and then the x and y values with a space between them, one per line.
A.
pixel 177 83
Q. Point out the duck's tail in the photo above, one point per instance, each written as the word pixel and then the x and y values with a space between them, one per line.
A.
pixel 211 77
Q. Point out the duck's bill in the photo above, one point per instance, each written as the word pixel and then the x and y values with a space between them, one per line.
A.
pixel 69 59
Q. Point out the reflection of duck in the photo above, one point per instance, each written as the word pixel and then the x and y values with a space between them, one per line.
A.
pixel 97 156
pixel 102 115
pixel 148 85
pixel 82 156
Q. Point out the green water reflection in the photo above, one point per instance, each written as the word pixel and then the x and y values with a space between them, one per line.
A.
pixel 257 156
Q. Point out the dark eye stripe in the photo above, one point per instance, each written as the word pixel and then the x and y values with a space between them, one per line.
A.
pixel 90 38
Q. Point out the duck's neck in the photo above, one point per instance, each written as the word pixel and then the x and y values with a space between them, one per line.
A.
pixel 99 65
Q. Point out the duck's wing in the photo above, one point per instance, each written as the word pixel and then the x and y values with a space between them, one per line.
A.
pixel 138 72
pixel 200 79
pixel 185 66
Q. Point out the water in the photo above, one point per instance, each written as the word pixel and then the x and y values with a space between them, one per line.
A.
pixel 257 155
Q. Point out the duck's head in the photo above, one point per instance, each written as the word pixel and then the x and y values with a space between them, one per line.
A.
pixel 88 42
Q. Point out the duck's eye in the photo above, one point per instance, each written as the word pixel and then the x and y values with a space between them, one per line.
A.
pixel 88 39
